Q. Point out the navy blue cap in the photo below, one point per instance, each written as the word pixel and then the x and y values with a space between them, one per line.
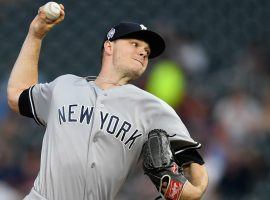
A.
pixel 137 31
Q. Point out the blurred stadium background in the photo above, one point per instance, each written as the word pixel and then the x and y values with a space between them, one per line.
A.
pixel 216 65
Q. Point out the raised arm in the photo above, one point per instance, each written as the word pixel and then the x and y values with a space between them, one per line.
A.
pixel 25 70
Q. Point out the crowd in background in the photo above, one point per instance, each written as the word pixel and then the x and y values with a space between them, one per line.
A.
pixel 228 111
pixel 230 118
pixel 224 101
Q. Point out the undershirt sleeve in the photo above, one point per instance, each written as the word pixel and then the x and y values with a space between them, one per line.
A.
pixel 188 156
pixel 25 105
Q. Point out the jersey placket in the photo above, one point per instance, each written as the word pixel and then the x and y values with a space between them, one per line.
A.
pixel 92 167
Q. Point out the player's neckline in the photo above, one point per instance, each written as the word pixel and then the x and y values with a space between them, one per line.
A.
pixel 113 88
pixel 107 84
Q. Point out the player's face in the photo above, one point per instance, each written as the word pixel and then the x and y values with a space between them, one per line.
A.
pixel 130 56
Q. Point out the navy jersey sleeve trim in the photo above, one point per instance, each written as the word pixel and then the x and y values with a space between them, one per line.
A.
pixel 33 107
pixel 193 146
pixel 188 156
pixel 24 104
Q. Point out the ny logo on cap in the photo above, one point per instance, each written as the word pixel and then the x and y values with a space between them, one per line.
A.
pixel 111 34
pixel 143 27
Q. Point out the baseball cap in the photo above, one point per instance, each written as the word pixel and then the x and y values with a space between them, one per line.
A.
pixel 137 31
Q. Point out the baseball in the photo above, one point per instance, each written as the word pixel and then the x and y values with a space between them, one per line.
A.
pixel 52 10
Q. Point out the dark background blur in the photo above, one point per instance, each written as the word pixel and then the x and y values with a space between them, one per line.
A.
pixel 219 48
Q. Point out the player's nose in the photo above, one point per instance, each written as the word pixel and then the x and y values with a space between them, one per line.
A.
pixel 143 53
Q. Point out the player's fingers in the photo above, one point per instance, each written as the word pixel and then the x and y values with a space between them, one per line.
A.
pixel 62 13
pixel 60 18
pixel 39 10
pixel 41 13
pixel 62 6
pixel 53 22
pixel 164 187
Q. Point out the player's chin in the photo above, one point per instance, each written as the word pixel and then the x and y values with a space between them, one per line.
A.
pixel 137 71
pixel 138 74
pixel 140 70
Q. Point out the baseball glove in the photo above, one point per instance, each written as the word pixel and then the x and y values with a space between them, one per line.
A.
pixel 159 165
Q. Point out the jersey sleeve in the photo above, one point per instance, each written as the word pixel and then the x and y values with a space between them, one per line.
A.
pixel 189 156
pixel 161 116
pixel 35 102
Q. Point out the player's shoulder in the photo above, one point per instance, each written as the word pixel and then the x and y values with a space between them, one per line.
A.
pixel 68 79
pixel 146 98
pixel 136 91
pixel 143 93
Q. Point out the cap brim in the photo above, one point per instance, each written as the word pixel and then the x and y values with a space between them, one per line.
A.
pixel 155 41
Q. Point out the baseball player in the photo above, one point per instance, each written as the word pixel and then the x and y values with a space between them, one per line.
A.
pixel 96 128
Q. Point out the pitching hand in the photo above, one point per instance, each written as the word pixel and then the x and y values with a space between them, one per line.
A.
pixel 41 25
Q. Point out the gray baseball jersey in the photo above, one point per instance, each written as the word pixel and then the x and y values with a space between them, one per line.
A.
pixel 94 137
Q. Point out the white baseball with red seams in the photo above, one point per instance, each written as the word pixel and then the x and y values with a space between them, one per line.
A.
pixel 52 10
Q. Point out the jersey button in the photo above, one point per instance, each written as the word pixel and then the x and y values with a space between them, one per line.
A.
pixel 93 165
pixel 94 139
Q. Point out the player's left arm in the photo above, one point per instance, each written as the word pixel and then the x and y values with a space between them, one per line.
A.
pixel 195 171
pixel 197 177
pixel 177 175
pixel 194 179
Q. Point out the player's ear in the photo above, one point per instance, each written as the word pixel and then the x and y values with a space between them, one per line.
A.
pixel 108 47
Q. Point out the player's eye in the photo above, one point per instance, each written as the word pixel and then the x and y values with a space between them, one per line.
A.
pixel 135 44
